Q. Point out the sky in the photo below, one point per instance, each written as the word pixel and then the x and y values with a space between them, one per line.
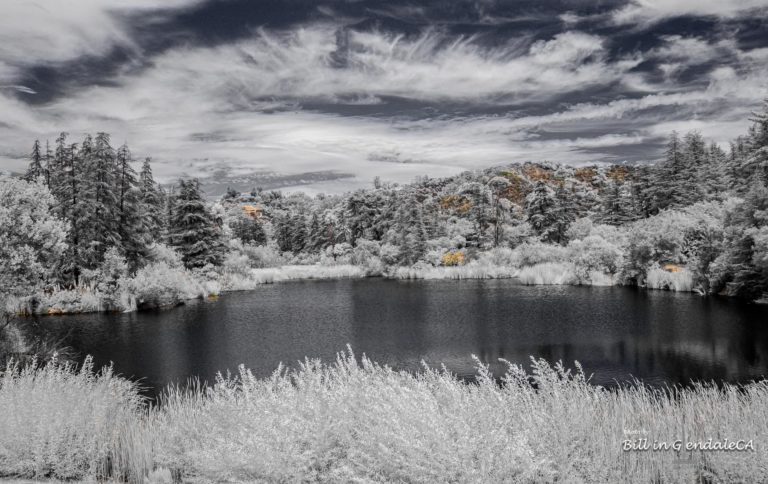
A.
pixel 325 95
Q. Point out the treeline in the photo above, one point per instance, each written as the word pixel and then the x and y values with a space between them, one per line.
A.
pixel 701 208
pixel 109 206
pixel 478 211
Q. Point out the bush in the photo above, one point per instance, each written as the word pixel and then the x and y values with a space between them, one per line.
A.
pixel 548 273
pixel 594 259
pixel 658 278
pixel 159 284
pixel 532 253
pixel 82 299
pixel 456 258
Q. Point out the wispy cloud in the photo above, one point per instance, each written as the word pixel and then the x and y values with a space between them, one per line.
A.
pixel 646 12
pixel 320 96
pixel 49 31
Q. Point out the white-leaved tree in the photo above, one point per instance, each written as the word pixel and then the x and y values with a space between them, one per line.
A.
pixel 32 238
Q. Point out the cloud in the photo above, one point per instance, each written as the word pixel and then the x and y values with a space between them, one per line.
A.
pixel 313 63
pixel 646 12
pixel 33 32
pixel 18 88
pixel 319 97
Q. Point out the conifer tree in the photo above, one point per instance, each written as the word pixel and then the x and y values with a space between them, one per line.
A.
pixel 617 205
pixel 36 170
pixel 103 223
pixel 541 210
pixel 151 199
pixel 249 231
pixel 298 233
pixel 194 233
pixel 316 234
pixel 283 233
pixel 414 239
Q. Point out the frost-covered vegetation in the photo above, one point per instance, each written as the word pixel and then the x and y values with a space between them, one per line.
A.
pixel 356 421
pixel 85 232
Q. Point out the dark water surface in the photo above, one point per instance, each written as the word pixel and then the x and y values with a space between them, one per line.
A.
pixel 615 332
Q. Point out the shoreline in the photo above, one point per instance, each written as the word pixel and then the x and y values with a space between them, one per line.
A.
pixel 289 273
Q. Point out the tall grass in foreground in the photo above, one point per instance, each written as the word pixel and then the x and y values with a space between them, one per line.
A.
pixel 56 421
pixel 356 421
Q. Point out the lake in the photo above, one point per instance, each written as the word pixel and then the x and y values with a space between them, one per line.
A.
pixel 616 333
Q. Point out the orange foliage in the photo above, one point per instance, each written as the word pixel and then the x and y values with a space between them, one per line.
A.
pixel 672 268
pixel 536 173
pixel 453 259
pixel 253 212
pixel 618 173
pixel 585 175
pixel 517 190
pixel 458 203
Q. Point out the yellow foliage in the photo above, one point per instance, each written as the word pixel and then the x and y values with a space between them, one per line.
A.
pixel 672 268
pixel 453 259
pixel 585 175
pixel 459 204
pixel 251 211
pixel 537 173
pixel 618 173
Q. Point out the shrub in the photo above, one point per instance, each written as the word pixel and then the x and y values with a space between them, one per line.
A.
pixel 532 253
pixel 594 258
pixel 549 273
pixel 456 258
pixel 681 280
pixel 159 284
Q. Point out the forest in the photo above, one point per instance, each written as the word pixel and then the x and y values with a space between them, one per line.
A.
pixel 82 230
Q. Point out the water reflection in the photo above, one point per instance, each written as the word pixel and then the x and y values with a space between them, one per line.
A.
pixel 616 333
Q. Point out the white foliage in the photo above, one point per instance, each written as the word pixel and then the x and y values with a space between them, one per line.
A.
pixel 658 278
pixel 548 273
pixel 357 421
pixel 31 238
pixel 472 270
pixel 160 284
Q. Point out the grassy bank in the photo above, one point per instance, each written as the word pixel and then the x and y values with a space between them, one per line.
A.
pixel 355 421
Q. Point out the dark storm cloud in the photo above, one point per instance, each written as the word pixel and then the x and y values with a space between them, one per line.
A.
pixel 348 87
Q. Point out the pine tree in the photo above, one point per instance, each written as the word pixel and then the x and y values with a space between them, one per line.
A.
pixel 36 170
pixel 298 233
pixel 67 179
pixel 134 223
pixel 125 182
pixel 103 223
pixel 617 205
pixel 194 233
pixel 542 210
pixel 414 239
pixel 714 178
pixel 59 183
pixel 694 169
pixel 565 213
pixel 248 231
pixel 48 164
pixel 169 205
pixel 152 200
pixel 316 234
pixel 283 233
